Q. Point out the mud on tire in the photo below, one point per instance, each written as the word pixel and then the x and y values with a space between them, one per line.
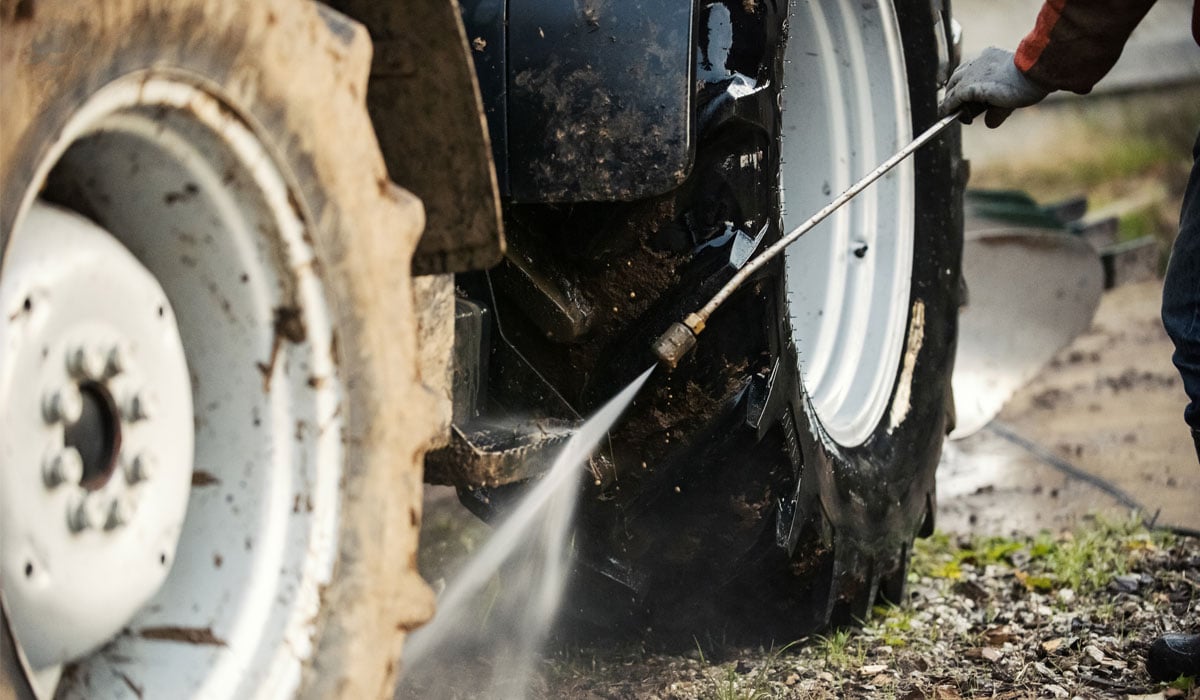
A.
pixel 729 502
pixel 292 76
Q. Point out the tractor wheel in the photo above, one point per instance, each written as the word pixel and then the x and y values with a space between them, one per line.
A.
pixel 778 476
pixel 213 421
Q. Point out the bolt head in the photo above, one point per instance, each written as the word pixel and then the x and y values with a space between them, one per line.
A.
pixel 64 467
pixel 64 405
pixel 140 406
pixel 121 510
pixel 86 512
pixel 117 361
pixel 86 363
pixel 140 468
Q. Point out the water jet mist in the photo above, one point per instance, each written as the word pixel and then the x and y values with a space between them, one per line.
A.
pixel 493 617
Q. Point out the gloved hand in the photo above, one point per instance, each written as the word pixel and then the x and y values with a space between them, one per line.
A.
pixel 990 83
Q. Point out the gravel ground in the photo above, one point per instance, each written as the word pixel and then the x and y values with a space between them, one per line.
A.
pixel 1034 617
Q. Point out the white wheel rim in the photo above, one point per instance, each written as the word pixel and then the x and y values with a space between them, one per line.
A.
pixel 185 185
pixel 845 110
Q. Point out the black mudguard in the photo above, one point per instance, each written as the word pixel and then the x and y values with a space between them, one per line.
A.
pixel 589 100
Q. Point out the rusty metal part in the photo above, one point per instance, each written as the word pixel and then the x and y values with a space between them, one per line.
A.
pixel 561 316
pixel 493 455
pixel 424 102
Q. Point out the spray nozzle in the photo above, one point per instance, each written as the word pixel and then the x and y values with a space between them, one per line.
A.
pixel 678 340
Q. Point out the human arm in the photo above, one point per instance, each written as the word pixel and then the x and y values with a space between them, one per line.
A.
pixel 1072 46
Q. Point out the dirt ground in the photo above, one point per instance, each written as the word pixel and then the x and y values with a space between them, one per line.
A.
pixel 1051 588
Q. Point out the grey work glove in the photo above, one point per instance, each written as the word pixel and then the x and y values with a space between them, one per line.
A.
pixel 990 83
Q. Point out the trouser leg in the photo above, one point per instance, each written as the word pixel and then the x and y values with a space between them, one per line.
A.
pixel 1181 297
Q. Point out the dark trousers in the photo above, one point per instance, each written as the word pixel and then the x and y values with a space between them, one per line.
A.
pixel 1181 296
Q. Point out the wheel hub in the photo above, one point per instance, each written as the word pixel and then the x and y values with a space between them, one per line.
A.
pixel 90 348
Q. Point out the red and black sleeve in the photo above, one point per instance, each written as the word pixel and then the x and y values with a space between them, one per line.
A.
pixel 1076 42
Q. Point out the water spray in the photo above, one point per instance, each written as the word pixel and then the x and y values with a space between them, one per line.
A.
pixel 680 337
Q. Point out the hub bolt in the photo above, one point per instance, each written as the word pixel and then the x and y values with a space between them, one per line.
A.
pixel 63 406
pixel 86 363
pixel 139 406
pixel 66 467
pixel 140 468
pixel 120 511
pixel 116 361
pixel 86 512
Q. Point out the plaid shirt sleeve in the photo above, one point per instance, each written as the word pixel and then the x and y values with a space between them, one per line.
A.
pixel 1076 42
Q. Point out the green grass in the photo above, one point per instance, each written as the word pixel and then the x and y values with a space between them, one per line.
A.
pixel 1115 161
pixel 1084 560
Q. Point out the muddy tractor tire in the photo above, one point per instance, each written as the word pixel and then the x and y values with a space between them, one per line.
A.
pixel 775 480
pixel 213 419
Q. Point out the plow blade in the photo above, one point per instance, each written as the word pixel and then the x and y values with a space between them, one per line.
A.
pixel 1030 293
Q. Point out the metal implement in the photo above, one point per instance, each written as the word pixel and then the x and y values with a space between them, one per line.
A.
pixel 680 337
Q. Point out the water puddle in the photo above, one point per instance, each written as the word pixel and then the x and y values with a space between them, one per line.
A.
pixel 494 616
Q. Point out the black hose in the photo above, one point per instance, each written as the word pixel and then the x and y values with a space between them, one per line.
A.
pixel 1047 457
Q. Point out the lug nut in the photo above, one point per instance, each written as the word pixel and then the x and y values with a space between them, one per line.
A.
pixel 116 362
pixel 140 468
pixel 86 363
pixel 64 405
pixel 66 467
pixel 86 512
pixel 140 406
pixel 120 511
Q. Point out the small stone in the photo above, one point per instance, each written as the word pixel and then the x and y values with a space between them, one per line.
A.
pixel 792 679
pixel 996 636
pixel 1053 645
pixel 1056 690
pixel 991 654
pixel 872 669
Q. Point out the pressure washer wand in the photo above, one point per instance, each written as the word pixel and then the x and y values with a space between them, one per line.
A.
pixel 680 337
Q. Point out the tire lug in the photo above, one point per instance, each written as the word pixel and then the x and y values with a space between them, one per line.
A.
pixel 86 512
pixel 64 405
pixel 86 363
pixel 66 467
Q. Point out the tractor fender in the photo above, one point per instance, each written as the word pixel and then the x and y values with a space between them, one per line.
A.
pixel 589 100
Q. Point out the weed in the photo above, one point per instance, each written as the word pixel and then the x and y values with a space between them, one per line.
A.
pixel 733 685
pixel 1084 560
